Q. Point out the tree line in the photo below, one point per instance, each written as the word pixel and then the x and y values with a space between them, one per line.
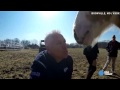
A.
pixel 102 44
pixel 26 44
pixel 17 43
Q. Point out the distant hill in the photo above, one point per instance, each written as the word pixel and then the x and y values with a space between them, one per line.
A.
pixel 102 44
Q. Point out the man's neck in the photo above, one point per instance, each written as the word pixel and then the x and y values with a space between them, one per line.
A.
pixel 56 58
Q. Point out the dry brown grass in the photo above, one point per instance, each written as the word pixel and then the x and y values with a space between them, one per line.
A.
pixel 16 64
pixel 81 64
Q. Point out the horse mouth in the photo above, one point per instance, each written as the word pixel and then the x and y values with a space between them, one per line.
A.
pixel 82 40
pixel 76 38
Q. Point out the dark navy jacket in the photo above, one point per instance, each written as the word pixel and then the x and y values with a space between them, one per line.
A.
pixel 112 48
pixel 45 67
pixel 91 53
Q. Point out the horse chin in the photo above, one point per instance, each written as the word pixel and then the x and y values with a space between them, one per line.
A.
pixel 87 41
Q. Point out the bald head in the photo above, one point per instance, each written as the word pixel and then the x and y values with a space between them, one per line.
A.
pixel 51 38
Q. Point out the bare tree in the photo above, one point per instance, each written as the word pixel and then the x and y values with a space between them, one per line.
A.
pixel 16 41
pixel 34 41
pixel 7 42
pixel 25 43
pixel 0 43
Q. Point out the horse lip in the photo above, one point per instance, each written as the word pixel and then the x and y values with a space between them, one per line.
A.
pixel 80 41
pixel 76 38
pixel 83 38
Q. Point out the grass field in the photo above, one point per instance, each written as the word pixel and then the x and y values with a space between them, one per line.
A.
pixel 16 64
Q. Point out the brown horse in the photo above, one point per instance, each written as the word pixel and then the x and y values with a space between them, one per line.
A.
pixel 88 26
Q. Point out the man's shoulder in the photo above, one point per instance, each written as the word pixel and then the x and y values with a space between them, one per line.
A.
pixel 40 59
pixel 117 42
pixel 69 58
pixel 41 56
pixel 110 41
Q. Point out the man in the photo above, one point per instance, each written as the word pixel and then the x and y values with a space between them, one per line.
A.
pixel 112 49
pixel 91 54
pixel 54 62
